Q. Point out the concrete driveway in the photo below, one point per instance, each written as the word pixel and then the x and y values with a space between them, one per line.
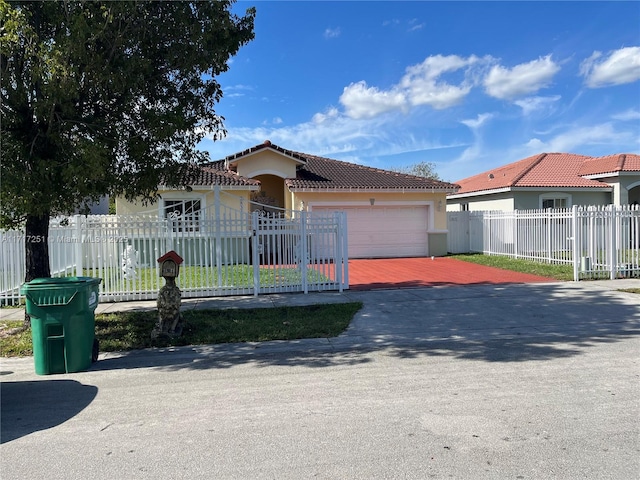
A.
pixel 523 381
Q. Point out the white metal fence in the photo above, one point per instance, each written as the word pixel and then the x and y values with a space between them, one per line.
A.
pixel 599 242
pixel 226 251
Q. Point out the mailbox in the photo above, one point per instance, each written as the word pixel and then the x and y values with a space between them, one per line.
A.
pixel 170 264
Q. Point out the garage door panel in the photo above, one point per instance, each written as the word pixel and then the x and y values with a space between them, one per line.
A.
pixel 385 231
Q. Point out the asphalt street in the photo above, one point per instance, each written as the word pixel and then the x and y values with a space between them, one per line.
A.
pixel 538 381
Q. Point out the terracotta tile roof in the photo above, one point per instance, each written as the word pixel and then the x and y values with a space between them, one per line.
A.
pixel 557 170
pixel 319 173
pixel 545 170
pixel 622 162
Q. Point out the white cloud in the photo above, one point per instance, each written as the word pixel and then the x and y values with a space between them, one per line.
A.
pixel 273 121
pixel 333 134
pixel 536 145
pixel 414 25
pixel 322 117
pixel 326 134
pixel 478 122
pixel 434 66
pixel 621 66
pixel 438 96
pixel 523 79
pixel 234 91
pixel 239 86
pixel 475 150
pixel 422 84
pixel 424 87
pixel 627 115
pixel 532 104
pixel 332 32
pixel 575 139
pixel 411 25
pixel 361 101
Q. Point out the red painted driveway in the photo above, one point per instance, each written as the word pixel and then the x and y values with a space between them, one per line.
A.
pixel 368 274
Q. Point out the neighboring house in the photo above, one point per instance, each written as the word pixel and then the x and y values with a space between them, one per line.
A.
pixel 389 214
pixel 551 180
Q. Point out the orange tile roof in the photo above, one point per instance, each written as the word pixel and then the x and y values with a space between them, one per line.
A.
pixel 557 170
pixel 622 162
pixel 550 170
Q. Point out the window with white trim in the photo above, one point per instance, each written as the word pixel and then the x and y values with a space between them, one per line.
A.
pixel 555 201
pixel 185 214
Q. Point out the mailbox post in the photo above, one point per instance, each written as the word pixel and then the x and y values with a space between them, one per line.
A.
pixel 170 264
pixel 169 297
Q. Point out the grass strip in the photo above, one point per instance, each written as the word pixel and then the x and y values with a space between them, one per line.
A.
pixel 629 290
pixel 550 270
pixel 122 331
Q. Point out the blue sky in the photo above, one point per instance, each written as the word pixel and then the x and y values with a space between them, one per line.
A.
pixel 467 86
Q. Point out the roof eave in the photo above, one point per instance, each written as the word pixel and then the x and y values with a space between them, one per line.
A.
pixel 231 159
pixel 209 186
pixel 603 187
pixel 599 188
pixel 596 176
pixel 235 187
pixel 369 190
pixel 479 192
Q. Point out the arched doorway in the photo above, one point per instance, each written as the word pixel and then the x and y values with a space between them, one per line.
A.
pixel 271 191
pixel 634 193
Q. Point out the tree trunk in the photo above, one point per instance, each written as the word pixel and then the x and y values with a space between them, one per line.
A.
pixel 37 250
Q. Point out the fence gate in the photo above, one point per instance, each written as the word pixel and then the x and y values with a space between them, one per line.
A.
pixel 308 251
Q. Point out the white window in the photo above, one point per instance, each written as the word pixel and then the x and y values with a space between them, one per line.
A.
pixel 185 214
pixel 555 201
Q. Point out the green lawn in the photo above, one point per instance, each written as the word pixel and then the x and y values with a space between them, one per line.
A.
pixel 132 330
pixel 237 276
pixel 557 272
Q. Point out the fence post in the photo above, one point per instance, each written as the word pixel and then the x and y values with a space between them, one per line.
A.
pixel 78 246
pixel 255 255
pixel 336 223
pixel 612 250
pixel 577 241
pixel 344 251
pixel 172 228
pixel 514 227
pixel 489 244
pixel 216 197
pixel 303 251
pixel 549 239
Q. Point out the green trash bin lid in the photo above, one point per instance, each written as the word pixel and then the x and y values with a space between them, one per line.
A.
pixel 58 291
pixel 63 281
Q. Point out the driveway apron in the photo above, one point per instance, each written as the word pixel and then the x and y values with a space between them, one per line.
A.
pixel 367 274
